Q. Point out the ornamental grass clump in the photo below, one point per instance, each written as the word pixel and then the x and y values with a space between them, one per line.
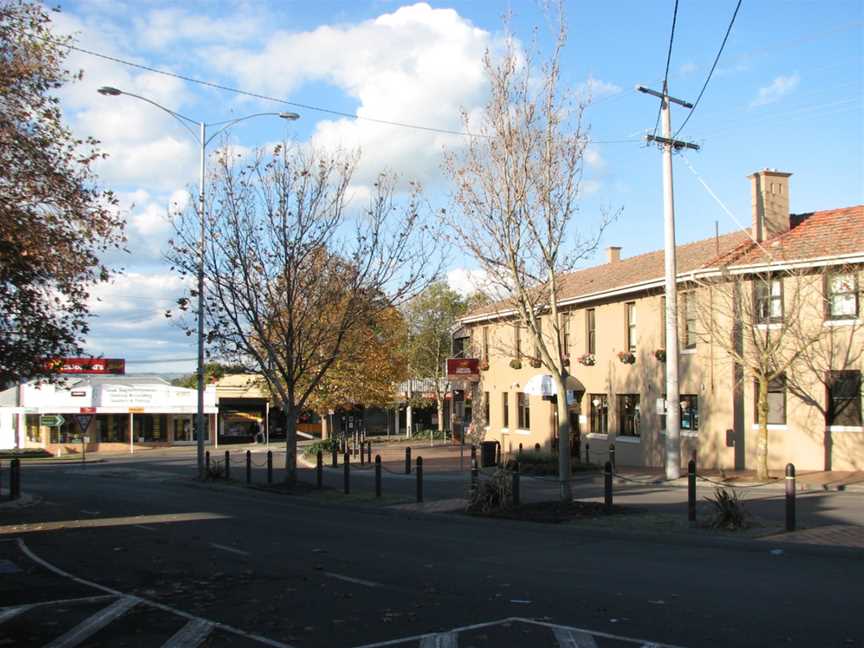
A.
pixel 728 511
pixel 493 494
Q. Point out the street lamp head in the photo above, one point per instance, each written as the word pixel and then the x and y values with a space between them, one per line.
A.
pixel 108 91
pixel 291 116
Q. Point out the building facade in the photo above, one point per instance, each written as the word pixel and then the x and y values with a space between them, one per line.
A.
pixel 107 413
pixel 791 285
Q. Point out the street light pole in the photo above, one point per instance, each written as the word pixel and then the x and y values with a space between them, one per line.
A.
pixel 202 140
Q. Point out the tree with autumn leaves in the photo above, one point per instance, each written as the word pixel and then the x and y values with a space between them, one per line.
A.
pixel 55 222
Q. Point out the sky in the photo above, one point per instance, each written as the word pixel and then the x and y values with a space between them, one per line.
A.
pixel 786 94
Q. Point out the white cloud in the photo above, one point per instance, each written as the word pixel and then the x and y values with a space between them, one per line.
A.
pixel 415 65
pixel 686 69
pixel 593 158
pixel 776 90
pixel 466 281
pixel 595 89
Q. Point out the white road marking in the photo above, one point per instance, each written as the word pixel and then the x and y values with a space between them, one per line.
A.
pixel 442 640
pixel 190 635
pixel 573 638
pixel 9 613
pixel 351 579
pixel 95 623
pixel 227 548
pixel 159 606
pixel 144 526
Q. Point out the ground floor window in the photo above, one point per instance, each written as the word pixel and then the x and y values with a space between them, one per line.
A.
pixel 776 401
pixel 116 428
pixel 689 405
pixel 34 430
pixel 182 429
pixel 599 417
pixel 844 398
pixel 628 415
pixel 524 411
pixel 505 409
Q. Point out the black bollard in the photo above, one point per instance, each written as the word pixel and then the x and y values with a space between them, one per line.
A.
pixel 536 447
pixel 691 492
pixel 269 466
pixel 248 466
pixel 419 479
pixel 227 465
pixel 377 475
pixel 319 469
pixel 362 454
pixel 1 478
pixel 408 460
pixel 369 451
pixel 347 467
pixel 520 448
pixel 15 479
pixel 473 454
pixel 516 484
pixel 475 474
pixel 607 486
pixel 612 455
pixel 334 450
pixel 206 464
pixel 790 497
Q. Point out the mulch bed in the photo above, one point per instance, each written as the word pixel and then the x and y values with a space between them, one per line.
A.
pixel 556 512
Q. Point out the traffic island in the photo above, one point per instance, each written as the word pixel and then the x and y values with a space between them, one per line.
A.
pixel 555 512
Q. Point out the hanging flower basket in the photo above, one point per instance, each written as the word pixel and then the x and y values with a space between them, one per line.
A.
pixel 588 359
pixel 484 365
pixel 626 357
pixel 536 363
pixel 660 354
pixel 515 364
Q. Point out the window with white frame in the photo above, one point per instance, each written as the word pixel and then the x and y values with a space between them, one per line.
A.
pixel 768 299
pixel 630 321
pixel 776 401
pixel 844 398
pixel 841 295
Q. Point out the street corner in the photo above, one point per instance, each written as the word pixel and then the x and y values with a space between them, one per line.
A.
pixel 515 632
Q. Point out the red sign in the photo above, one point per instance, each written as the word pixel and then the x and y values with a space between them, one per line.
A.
pixel 87 366
pixel 463 369
pixel 87 410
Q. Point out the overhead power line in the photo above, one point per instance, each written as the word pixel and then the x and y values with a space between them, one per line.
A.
pixel 668 61
pixel 711 71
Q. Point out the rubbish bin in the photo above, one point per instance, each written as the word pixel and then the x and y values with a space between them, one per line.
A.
pixel 489 453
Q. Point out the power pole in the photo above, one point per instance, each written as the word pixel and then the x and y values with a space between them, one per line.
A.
pixel 673 408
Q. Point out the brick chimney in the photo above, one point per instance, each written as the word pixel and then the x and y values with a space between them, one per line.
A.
pixel 613 254
pixel 770 200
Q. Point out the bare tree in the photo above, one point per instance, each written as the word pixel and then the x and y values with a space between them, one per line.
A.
pixel 518 187
pixel 291 274
pixel 766 323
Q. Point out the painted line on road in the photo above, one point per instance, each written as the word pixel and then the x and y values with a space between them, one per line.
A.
pixel 9 613
pixel 442 640
pixel 145 527
pixel 351 579
pixel 95 623
pixel 573 638
pixel 131 520
pixel 159 606
pixel 190 635
pixel 239 552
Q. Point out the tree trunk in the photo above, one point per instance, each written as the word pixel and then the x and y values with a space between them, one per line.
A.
pixel 290 445
pixel 566 491
pixel 762 438
pixel 439 403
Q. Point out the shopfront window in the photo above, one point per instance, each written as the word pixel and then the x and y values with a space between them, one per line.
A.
pixel 34 431
pixel 599 414
pixel 628 415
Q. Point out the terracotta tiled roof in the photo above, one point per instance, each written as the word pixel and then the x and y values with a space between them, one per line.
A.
pixel 824 233
pixel 834 232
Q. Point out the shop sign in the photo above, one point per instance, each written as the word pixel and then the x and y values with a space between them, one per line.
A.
pixel 78 393
pixel 51 420
pixel 136 410
pixel 87 366
pixel 463 369
pixel 87 410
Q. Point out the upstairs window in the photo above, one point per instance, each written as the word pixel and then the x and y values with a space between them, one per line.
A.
pixel 565 334
pixel 590 332
pixel 517 341
pixel 768 300
pixel 630 323
pixel 690 319
pixel 485 343
pixel 505 409
pixel 841 296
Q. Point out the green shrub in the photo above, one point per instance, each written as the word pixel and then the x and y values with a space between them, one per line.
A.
pixel 326 446
pixel 543 462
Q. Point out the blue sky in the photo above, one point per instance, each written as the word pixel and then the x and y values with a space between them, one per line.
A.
pixel 787 94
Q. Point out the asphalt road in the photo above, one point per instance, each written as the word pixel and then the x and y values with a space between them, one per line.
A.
pixel 168 562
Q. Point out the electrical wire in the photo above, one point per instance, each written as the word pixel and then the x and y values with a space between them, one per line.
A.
pixel 710 72
pixel 668 61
